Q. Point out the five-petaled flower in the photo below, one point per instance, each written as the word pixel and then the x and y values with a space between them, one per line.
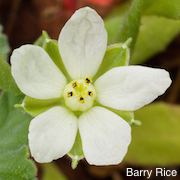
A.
pixel 105 135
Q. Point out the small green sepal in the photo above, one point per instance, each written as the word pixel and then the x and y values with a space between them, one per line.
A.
pixel 116 55
pixel 20 106
pixel 39 41
pixel 45 35
pixel 128 42
pixel 126 115
pixel 51 47
pixel 34 107
pixel 76 153
pixel 135 122
pixel 74 162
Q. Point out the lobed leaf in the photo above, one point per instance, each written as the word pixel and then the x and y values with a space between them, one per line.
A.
pixel 7 82
pixel 14 162
pixel 4 45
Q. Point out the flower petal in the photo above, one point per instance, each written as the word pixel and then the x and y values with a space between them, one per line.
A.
pixel 105 136
pixel 129 88
pixel 36 74
pixel 52 134
pixel 82 43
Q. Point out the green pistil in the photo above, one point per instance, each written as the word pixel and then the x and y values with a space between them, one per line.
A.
pixel 81 89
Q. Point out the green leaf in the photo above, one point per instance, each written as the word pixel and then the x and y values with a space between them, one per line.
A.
pixel 7 82
pixel 4 45
pixel 51 47
pixel 114 20
pixel 51 172
pixel 156 142
pixel 116 55
pixel 76 152
pixel 35 107
pixel 147 4
pixel 166 8
pixel 14 162
pixel 154 36
pixel 128 24
pixel 112 27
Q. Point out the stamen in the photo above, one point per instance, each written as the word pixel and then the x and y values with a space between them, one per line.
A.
pixel 79 95
pixel 81 99
pixel 74 84
pixel 88 80
pixel 90 93
pixel 70 93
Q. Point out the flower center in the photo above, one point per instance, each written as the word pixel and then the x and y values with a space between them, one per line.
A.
pixel 79 95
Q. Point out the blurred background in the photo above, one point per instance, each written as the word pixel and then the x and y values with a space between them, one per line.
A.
pixel 24 21
pixel 156 142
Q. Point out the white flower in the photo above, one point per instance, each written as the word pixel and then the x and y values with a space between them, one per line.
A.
pixel 105 135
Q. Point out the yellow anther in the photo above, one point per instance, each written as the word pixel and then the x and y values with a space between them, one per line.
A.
pixel 88 80
pixel 70 93
pixel 79 94
pixel 81 99
pixel 90 93
pixel 74 84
